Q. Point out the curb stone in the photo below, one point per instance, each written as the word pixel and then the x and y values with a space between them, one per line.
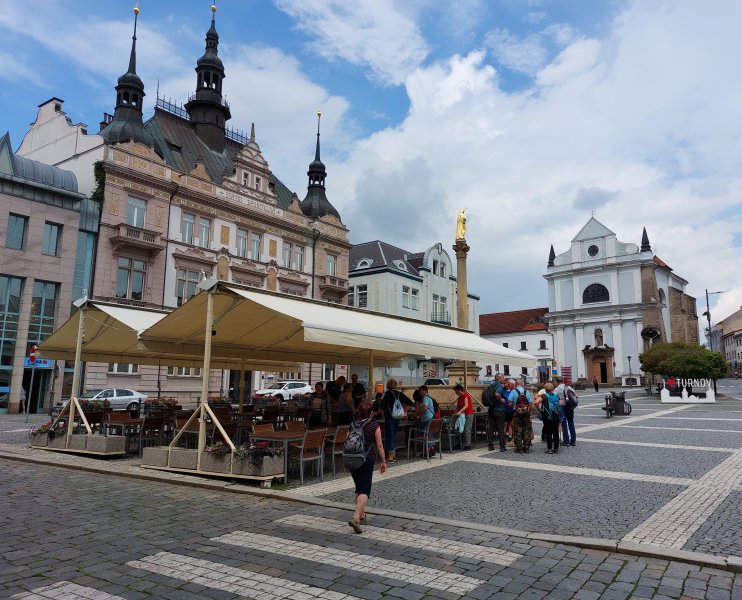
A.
pixel 730 563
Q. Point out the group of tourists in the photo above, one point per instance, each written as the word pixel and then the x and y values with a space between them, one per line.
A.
pixel 339 397
pixel 509 409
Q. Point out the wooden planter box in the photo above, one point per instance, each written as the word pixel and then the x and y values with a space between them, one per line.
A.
pixel 59 441
pixel 40 440
pixel 155 456
pixel 78 441
pixel 272 465
pixel 215 464
pixel 111 444
pixel 180 458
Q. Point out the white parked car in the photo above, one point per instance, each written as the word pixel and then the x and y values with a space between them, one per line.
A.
pixel 120 398
pixel 284 390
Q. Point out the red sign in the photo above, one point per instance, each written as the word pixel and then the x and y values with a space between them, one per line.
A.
pixel 32 353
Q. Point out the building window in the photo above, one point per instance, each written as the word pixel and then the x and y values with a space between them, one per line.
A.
pixel 186 285
pixel 255 246
pixel 405 296
pixel 362 296
pixel 187 225
pixel 436 305
pixel 52 239
pixel 135 212
pixel 257 183
pixel 43 311
pixel 414 299
pixel 130 277
pixel 523 346
pixel 595 292
pixel 245 178
pixel 351 296
pixel 435 267
pixel 444 307
pixel 242 243
pixel 123 369
pixel 331 265
pixel 204 232
pixel 184 371
pixel 17 228
pixel 504 344
pixel 524 370
pixel 11 289
pixel 299 258
pixel 506 369
pixel 287 255
pixel 542 345
pixel 442 269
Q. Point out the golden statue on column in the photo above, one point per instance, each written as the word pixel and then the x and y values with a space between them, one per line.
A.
pixel 461 225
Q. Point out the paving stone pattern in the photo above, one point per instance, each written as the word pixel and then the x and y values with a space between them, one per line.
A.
pixel 106 538
pixel 718 440
pixel 722 533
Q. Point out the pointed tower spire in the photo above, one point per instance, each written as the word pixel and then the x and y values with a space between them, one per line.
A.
pixel 552 256
pixel 645 242
pixel 207 109
pixel 127 119
pixel 252 132
pixel 316 203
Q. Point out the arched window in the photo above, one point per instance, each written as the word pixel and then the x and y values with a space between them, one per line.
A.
pixel 216 82
pixel 135 99
pixel 126 97
pixel 595 292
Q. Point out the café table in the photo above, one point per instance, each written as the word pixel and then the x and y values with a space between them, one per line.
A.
pixel 285 437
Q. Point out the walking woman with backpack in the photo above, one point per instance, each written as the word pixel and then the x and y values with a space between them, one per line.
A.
pixel 393 405
pixel 372 447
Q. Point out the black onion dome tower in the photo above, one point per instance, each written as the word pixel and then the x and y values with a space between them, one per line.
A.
pixel 126 124
pixel 207 110
pixel 316 204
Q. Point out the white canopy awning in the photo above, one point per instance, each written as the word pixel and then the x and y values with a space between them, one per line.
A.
pixel 255 324
pixel 112 336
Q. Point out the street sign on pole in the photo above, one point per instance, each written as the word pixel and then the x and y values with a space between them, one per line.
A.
pixel 32 353
pixel 32 358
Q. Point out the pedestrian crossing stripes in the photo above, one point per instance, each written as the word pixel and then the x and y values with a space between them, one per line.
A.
pixel 65 590
pixel 405 538
pixel 373 566
pixel 217 576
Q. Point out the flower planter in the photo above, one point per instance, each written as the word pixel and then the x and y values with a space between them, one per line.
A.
pixel 272 465
pixel 180 458
pixel 40 440
pixel 59 441
pixel 155 456
pixel 214 463
pixel 111 444
pixel 78 441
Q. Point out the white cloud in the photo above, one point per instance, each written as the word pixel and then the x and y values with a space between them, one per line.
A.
pixel 372 33
pixel 639 113
pixel 525 55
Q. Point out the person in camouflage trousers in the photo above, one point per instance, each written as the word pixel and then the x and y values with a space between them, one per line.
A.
pixel 522 428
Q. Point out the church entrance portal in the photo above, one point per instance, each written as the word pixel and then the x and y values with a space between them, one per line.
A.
pixel 599 362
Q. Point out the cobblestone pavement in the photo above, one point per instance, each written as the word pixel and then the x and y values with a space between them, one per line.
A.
pixel 70 535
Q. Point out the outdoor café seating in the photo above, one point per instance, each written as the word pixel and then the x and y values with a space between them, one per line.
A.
pixel 334 444
pixel 311 449
pixel 428 437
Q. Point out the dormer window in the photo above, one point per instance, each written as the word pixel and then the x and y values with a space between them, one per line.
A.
pixel 400 265
pixel 245 178
pixel 364 263
pixel 443 269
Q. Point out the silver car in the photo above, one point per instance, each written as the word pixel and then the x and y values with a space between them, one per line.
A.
pixel 120 398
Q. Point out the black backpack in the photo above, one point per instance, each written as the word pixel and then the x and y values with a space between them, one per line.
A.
pixel 489 396
pixel 355 451
pixel 570 398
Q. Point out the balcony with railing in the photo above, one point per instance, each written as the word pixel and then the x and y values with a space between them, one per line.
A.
pixel 136 237
pixel 442 317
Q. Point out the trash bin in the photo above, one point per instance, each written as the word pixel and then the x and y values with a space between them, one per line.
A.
pixel 619 402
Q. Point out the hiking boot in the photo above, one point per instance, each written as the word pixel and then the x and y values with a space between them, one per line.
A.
pixel 503 449
pixel 491 447
pixel 549 451
pixel 573 443
pixel 526 450
pixel 355 526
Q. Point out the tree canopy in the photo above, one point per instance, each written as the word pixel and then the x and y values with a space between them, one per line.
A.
pixel 680 359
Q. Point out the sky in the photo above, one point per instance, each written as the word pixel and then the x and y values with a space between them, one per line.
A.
pixel 530 114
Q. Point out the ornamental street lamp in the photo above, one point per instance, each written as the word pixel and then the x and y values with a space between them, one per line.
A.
pixel 631 378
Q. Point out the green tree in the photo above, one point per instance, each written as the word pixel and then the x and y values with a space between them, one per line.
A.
pixel 680 359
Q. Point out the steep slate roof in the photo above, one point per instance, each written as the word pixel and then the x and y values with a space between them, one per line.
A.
pixel 35 171
pixel 512 322
pixel 382 255
pixel 179 146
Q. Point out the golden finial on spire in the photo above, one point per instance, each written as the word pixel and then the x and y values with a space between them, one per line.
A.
pixel 213 7
pixel 136 8
pixel 319 114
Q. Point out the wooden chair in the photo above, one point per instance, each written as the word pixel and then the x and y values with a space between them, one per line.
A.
pixel 271 413
pixel 190 433
pixel 334 444
pixel 430 435
pixel 311 449
pixel 151 431
pixel 296 426
pixel 259 428
pixel 302 413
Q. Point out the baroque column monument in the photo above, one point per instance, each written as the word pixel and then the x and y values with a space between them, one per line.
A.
pixel 466 373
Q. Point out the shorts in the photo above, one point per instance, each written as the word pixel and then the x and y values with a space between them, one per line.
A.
pixel 362 477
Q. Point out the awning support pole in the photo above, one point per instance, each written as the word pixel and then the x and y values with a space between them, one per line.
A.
pixel 465 375
pixel 242 386
pixel 73 403
pixel 371 384
pixel 202 412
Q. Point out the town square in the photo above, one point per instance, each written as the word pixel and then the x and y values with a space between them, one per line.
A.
pixel 370 300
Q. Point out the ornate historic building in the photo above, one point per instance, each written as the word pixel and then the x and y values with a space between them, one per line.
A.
pixel 186 198
pixel 608 300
